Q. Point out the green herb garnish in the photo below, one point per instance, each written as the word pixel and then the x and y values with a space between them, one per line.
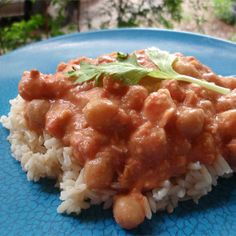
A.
pixel 164 61
pixel 129 71
pixel 122 56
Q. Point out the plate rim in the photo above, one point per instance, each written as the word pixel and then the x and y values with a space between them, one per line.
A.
pixel 134 29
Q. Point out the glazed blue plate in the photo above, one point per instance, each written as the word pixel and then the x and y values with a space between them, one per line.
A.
pixel 28 208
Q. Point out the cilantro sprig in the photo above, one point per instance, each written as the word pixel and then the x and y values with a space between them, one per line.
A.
pixel 128 70
pixel 164 61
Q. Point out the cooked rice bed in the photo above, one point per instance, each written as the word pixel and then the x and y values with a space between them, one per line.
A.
pixel 45 156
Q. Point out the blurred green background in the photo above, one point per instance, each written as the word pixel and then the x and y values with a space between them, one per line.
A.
pixel 26 21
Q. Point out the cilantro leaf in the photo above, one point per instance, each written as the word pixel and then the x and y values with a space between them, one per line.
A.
pixel 164 61
pixel 128 71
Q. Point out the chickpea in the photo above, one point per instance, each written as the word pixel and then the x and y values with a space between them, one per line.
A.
pixel 232 147
pixel 57 118
pixel 190 122
pixel 159 107
pixel 98 173
pixel 176 91
pixel 148 141
pixel 129 210
pixel 135 97
pixel 31 85
pixel 114 86
pixel 232 157
pixel 35 112
pixel 100 114
pixel 229 82
pixel 187 66
pixel 207 106
pixel 86 142
pixel 204 148
pixel 225 103
pixel 61 67
pixel 35 85
pixel 227 123
pixel 34 74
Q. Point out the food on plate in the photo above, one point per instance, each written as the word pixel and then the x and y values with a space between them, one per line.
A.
pixel 138 132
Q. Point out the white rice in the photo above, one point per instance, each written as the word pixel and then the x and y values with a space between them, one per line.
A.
pixel 45 156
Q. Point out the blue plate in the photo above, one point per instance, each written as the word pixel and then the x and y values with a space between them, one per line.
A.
pixel 30 208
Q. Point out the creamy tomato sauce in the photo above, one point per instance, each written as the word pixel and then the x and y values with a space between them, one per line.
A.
pixel 134 136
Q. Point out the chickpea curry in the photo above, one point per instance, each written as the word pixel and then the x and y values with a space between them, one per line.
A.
pixel 131 123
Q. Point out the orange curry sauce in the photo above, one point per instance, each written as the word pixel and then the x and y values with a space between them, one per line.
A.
pixel 135 136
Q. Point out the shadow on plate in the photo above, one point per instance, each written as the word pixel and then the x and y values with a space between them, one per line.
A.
pixel 47 185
